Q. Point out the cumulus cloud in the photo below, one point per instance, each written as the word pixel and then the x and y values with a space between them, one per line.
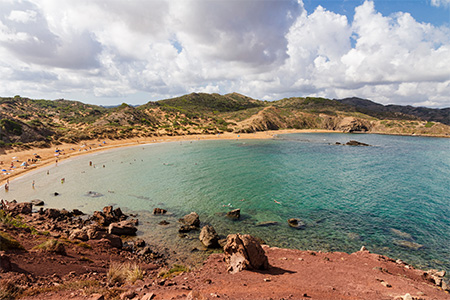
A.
pixel 445 3
pixel 108 50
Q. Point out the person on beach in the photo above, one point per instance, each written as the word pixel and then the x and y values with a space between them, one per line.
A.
pixel 90 163
pixel 6 187
pixel 63 180
pixel 32 184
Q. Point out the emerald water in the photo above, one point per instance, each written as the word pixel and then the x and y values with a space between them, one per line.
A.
pixel 392 197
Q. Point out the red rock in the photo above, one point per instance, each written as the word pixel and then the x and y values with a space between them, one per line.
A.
pixel 244 252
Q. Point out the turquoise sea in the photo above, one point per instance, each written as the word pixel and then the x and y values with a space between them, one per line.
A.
pixel 392 197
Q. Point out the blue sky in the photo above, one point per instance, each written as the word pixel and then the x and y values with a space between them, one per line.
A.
pixel 111 51
pixel 421 10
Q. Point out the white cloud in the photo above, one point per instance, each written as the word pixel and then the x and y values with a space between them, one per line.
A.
pixel 445 3
pixel 113 49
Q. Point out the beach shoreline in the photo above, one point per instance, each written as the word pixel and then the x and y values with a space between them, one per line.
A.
pixel 49 156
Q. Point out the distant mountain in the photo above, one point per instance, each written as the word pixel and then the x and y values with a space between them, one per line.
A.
pixel 25 122
pixel 398 111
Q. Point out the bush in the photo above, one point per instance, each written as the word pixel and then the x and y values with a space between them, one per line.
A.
pixel 122 272
pixel 53 246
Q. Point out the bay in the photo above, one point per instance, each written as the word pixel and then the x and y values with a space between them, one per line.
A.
pixel 390 197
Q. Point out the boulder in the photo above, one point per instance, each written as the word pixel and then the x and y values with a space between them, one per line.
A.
pixel 108 216
pixel 296 223
pixel 37 202
pixel 159 211
pixel 191 219
pixel 77 212
pixel 234 214
pixel 244 252
pixel 209 237
pixel 122 228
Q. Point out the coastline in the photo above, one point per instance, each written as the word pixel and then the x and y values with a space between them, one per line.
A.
pixel 48 155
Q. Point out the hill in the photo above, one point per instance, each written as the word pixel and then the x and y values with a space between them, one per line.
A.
pixel 26 122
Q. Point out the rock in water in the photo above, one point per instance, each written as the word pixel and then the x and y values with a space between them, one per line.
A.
pixel 234 214
pixel 159 211
pixel 408 244
pixel 37 202
pixel 356 143
pixel 244 252
pixel 209 237
pixel 191 219
pixel 296 223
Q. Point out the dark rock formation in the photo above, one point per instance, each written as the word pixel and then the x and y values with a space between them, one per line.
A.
pixel 243 252
pixel 234 214
pixel 159 211
pixel 356 143
pixel 15 208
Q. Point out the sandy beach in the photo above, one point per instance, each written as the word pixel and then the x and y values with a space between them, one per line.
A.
pixel 15 163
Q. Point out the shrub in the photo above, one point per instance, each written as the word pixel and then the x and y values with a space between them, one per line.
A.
pixel 122 272
pixel 52 246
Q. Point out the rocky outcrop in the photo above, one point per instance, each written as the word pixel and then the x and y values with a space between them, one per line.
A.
pixel 244 252
pixel 296 223
pixel 15 208
pixel 122 228
pixel 209 237
pixel 108 216
pixel 436 277
pixel 235 214
pixel 94 232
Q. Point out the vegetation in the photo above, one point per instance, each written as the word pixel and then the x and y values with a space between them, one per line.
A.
pixel 174 271
pixel 124 272
pixel 52 246
pixel 7 242
pixel 44 122
pixel 16 222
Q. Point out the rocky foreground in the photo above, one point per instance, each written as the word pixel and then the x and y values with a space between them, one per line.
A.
pixel 60 254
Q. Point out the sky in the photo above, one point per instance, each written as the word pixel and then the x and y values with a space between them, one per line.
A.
pixel 107 52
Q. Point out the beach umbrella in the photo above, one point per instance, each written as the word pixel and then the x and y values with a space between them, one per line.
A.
pixel 4 170
pixel 23 164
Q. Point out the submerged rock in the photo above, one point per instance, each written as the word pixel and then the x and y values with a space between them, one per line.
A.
pixel 266 223
pixel 234 214
pixel 408 244
pixel 401 234
pixel 296 223
pixel 244 252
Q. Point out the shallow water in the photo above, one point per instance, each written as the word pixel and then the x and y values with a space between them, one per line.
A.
pixel 387 197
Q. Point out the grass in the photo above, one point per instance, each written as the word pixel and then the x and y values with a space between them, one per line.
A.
pixel 52 246
pixel 174 271
pixel 16 222
pixel 7 242
pixel 124 272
